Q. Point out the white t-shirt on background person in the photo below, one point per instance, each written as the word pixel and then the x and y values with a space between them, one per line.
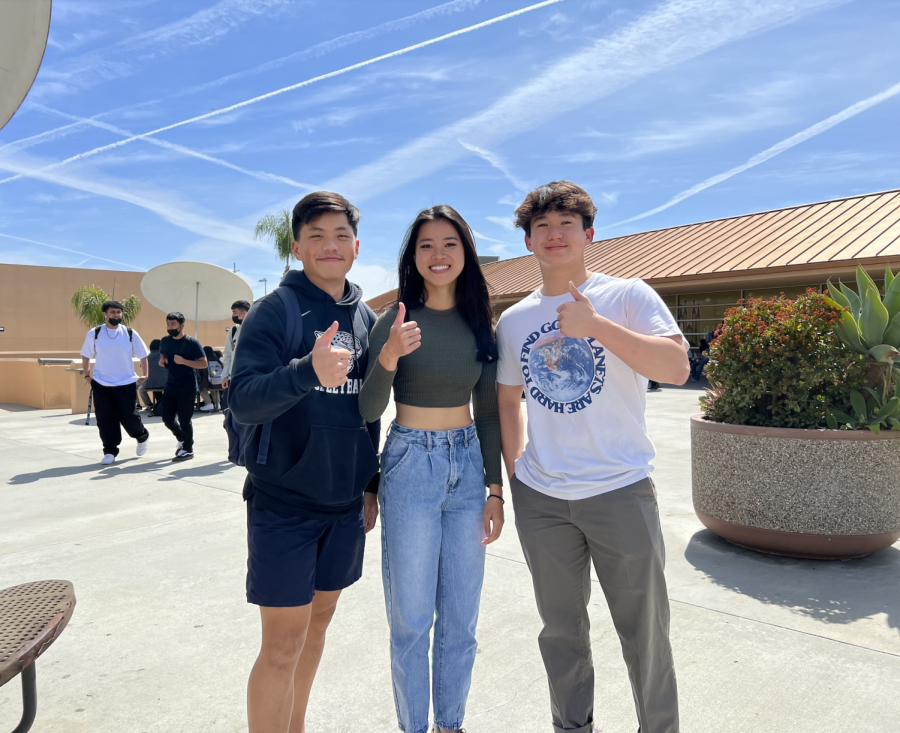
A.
pixel 113 351
pixel 586 428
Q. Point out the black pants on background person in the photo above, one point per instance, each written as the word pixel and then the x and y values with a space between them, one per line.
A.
pixel 180 405
pixel 116 408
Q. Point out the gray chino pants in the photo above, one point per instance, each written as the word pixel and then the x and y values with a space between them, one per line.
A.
pixel 619 531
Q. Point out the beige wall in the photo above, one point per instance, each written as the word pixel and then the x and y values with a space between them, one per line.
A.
pixel 38 319
pixel 26 382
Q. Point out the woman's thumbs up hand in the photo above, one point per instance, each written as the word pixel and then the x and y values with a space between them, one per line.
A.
pixel 404 339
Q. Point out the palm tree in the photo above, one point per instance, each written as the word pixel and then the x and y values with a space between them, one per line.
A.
pixel 278 228
pixel 87 302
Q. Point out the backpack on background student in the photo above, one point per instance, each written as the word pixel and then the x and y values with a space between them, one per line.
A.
pixel 239 435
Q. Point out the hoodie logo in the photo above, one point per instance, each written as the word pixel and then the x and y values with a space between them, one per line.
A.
pixel 344 340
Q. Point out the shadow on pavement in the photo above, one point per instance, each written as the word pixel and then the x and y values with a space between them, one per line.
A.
pixel 206 469
pixel 827 590
pixel 103 472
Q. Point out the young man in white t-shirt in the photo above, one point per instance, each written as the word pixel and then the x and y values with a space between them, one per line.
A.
pixel 113 381
pixel 582 348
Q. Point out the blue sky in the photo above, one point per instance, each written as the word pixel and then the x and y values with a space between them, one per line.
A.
pixel 666 112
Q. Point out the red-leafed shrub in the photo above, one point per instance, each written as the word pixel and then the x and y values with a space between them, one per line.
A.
pixel 778 363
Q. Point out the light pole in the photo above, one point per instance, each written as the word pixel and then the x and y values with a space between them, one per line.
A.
pixel 265 282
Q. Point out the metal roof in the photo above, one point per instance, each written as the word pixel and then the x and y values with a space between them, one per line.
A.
pixel 830 237
pixel 838 232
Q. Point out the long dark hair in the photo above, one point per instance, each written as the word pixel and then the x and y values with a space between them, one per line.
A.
pixel 472 299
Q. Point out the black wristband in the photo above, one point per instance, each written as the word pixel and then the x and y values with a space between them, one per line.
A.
pixel 497 496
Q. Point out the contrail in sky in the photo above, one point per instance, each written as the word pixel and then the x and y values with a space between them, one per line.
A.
pixel 73 251
pixel 261 175
pixel 308 82
pixel 776 149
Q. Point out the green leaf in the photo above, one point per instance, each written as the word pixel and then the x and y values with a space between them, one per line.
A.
pixel 892 332
pixel 892 297
pixel 874 318
pixel 874 394
pixel 884 353
pixel 848 332
pixel 864 280
pixel 858 402
pixel 888 277
pixel 875 428
pixel 853 298
pixel 890 409
pixel 838 296
pixel 830 419
pixel 842 416
pixel 895 423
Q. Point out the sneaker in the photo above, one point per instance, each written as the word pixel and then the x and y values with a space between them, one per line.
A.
pixel 108 459
pixel 436 729
pixel 142 447
pixel 183 455
pixel 207 408
pixel 178 447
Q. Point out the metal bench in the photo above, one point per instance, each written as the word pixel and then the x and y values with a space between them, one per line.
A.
pixel 32 616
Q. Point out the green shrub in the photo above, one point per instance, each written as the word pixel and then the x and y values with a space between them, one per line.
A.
pixel 778 363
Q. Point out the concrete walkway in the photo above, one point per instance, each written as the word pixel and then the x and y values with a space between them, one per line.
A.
pixel 162 639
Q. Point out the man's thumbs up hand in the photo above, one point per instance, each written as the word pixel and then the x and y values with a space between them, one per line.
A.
pixel 331 365
pixel 577 319
pixel 404 339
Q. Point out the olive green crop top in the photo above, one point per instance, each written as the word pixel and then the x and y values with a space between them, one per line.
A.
pixel 442 372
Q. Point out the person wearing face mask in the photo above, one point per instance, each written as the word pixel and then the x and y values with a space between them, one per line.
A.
pixel 113 381
pixel 437 515
pixel 181 355
pixel 238 310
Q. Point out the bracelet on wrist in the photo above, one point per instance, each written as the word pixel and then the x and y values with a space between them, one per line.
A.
pixel 497 496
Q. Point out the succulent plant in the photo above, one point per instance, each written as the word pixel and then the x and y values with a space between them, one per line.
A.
pixel 870 325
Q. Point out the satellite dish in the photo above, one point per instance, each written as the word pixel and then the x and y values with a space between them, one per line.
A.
pixel 24 26
pixel 194 288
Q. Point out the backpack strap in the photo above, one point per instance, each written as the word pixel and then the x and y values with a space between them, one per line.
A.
pixel 130 333
pixel 293 337
pixel 97 331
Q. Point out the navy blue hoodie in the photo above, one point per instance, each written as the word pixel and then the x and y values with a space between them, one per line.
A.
pixel 321 455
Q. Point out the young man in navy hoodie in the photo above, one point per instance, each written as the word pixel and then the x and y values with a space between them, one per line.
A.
pixel 306 512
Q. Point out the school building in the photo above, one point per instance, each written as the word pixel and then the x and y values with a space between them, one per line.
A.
pixel 702 269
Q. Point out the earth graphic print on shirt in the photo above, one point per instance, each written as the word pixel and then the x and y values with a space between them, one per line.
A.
pixel 562 373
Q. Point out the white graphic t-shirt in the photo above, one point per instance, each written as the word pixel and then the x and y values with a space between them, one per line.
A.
pixel 113 350
pixel 586 429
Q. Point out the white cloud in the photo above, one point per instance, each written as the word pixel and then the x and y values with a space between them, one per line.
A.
pixel 283 90
pixel 373 279
pixel 123 57
pixel 172 207
pixel 776 149
pixel 320 49
pixel 500 164
pixel 70 251
pixel 672 33
pixel 501 221
pixel 260 175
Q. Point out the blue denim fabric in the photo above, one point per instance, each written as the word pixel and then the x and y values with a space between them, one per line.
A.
pixel 432 496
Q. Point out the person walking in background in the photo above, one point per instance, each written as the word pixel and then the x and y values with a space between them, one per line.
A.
pixel 303 355
pixel 113 381
pixel 239 310
pixel 700 361
pixel 156 380
pixel 436 519
pixel 583 347
pixel 209 380
pixel 181 355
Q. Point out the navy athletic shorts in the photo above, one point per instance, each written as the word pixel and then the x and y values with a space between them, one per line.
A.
pixel 289 558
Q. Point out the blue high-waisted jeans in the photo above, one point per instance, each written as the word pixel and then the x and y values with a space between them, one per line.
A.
pixel 432 498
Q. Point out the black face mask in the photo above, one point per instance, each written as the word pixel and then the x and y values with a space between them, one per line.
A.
pixel 236 319
pixel 114 322
pixel 173 332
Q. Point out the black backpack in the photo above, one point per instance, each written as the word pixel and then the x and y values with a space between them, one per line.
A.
pixel 240 436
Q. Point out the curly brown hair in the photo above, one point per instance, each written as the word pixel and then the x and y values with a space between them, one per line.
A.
pixel 555 196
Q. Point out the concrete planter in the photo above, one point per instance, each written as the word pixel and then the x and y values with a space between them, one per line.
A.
pixel 828 494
